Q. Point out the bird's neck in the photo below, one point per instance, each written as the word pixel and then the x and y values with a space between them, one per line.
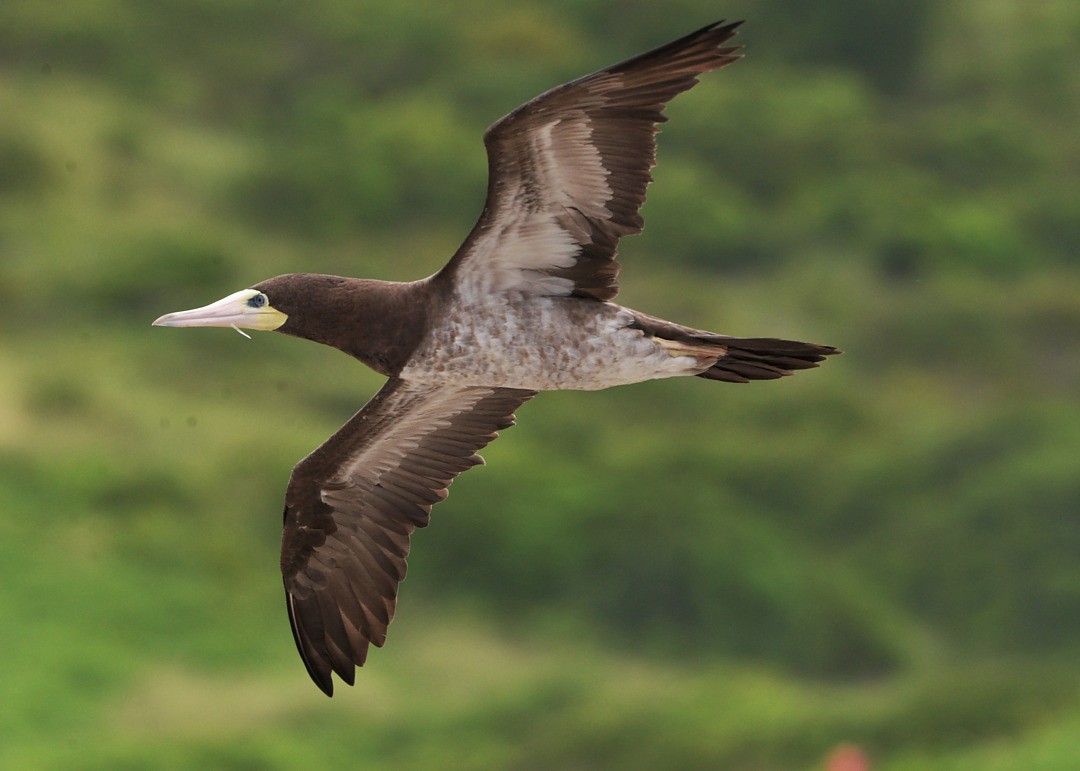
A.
pixel 380 323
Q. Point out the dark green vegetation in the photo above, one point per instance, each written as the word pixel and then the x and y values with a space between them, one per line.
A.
pixel 673 575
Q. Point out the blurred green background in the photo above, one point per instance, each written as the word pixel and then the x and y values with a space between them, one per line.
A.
pixel 678 574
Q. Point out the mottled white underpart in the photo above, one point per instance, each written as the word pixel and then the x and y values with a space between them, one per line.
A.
pixel 545 343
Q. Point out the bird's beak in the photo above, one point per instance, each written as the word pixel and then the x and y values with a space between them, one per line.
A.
pixel 232 311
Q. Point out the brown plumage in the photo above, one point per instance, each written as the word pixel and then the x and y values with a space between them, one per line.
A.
pixel 523 306
pixel 353 503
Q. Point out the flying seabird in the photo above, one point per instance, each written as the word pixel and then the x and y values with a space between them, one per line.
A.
pixel 523 306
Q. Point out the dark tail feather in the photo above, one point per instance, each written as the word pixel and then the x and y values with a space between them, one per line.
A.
pixel 763 358
pixel 740 359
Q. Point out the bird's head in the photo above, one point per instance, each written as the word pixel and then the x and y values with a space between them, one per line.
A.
pixel 308 305
pixel 253 308
pixel 378 322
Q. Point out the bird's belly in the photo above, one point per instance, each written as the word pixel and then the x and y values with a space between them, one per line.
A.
pixel 542 343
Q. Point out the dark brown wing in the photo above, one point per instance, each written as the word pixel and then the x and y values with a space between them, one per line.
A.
pixel 567 173
pixel 353 503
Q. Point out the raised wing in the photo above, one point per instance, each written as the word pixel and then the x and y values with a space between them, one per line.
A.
pixel 567 174
pixel 353 503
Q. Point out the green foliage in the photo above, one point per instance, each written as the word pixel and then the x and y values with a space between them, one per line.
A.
pixel 677 574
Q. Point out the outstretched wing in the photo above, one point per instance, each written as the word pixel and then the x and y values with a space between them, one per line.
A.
pixel 353 503
pixel 567 173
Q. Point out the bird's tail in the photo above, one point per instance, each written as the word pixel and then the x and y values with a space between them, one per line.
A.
pixel 735 359
pixel 764 358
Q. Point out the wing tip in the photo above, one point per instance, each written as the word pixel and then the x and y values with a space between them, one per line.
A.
pixel 723 26
pixel 716 34
pixel 722 31
pixel 326 686
pixel 322 678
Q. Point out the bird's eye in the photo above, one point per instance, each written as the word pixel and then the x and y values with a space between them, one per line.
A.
pixel 257 301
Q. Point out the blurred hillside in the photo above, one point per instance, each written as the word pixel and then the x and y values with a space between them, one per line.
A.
pixel 677 574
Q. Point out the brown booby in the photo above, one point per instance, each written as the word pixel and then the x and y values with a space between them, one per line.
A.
pixel 523 306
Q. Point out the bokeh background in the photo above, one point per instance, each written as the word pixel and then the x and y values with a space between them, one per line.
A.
pixel 681 574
